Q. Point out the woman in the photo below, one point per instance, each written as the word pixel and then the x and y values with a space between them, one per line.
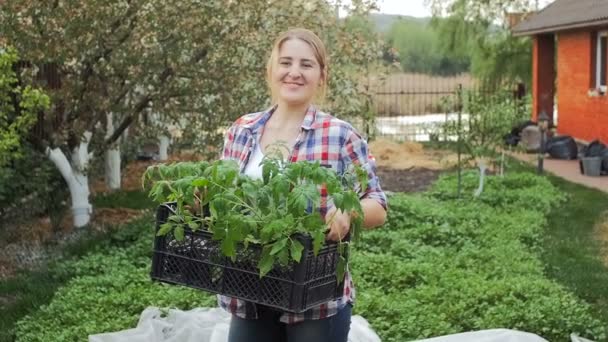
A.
pixel 297 73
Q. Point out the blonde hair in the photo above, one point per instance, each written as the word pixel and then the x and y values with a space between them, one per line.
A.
pixel 319 52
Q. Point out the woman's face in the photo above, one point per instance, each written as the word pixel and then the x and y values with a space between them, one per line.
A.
pixel 297 76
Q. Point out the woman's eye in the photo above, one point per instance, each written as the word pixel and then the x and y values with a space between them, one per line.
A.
pixel 285 63
pixel 307 66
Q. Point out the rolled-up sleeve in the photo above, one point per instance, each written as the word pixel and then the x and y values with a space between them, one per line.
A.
pixel 356 151
pixel 229 136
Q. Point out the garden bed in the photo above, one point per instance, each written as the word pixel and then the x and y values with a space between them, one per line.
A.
pixel 438 266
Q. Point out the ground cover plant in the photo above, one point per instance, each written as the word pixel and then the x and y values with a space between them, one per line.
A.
pixel 440 265
pixel 29 290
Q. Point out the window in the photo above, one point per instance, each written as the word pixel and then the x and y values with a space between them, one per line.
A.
pixel 601 61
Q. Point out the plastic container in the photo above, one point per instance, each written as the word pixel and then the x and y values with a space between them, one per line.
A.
pixel 592 166
pixel 198 262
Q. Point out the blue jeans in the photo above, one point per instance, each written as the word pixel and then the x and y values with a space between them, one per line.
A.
pixel 268 328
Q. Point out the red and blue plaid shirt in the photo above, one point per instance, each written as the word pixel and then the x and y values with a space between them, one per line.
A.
pixel 322 138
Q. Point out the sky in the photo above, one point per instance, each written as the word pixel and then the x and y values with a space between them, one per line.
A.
pixel 416 8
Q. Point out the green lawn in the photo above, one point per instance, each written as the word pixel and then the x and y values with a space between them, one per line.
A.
pixel 31 289
pixel 572 253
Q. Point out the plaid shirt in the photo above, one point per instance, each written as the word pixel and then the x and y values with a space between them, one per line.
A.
pixel 323 138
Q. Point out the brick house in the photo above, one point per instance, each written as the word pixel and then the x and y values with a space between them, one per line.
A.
pixel 569 66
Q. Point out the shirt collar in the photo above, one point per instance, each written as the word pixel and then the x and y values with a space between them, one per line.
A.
pixel 258 123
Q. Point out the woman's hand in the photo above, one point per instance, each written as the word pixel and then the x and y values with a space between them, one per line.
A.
pixel 339 224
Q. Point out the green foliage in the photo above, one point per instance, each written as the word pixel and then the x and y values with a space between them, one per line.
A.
pixel 123 199
pixel 268 211
pixel 195 65
pixel 438 266
pixel 31 185
pixel 478 29
pixel 19 107
pixel 122 290
pixel 442 265
pixel 517 190
pixel 420 49
pixel 490 117
pixel 29 290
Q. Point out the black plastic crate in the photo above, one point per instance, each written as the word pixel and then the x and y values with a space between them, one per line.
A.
pixel 198 262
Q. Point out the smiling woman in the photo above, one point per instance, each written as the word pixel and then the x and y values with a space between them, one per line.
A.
pixel 297 75
pixel 294 75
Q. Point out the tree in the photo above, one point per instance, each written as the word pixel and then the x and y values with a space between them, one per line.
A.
pixel 421 51
pixel 489 117
pixel 194 64
pixel 480 27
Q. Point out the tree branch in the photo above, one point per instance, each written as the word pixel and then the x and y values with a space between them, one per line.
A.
pixel 105 53
pixel 145 100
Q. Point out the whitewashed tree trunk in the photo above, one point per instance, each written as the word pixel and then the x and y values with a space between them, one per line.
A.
pixel 113 168
pixel 76 177
pixel 164 142
pixel 112 158
pixel 482 175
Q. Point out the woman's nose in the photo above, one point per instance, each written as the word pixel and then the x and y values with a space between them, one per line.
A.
pixel 294 71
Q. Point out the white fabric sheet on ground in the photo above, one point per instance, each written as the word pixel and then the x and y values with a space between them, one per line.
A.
pixel 201 325
pixel 492 335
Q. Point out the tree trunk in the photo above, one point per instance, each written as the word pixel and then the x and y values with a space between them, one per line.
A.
pixel 112 158
pixel 75 176
pixel 502 164
pixel 163 146
pixel 482 175
pixel 113 168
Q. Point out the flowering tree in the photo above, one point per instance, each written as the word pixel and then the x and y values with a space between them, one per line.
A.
pixel 195 64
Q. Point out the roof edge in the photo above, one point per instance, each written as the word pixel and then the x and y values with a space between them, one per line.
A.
pixel 557 28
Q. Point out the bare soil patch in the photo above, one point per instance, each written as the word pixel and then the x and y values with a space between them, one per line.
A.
pixel 408 166
pixel 408 155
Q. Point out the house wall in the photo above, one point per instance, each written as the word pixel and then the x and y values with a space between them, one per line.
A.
pixel 580 115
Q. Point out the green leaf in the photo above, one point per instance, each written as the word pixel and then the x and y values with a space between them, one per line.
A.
pixel 266 262
pixel 338 200
pixel 200 182
pixel 179 233
pixel 229 247
pixel 296 250
pixel 279 246
pixel 193 225
pixel 164 229
pixel 341 268
pixel 318 239
pixel 283 257
pixel 280 186
pixel 250 191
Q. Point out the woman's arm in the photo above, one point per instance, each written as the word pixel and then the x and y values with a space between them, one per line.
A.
pixel 373 200
pixel 374 214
